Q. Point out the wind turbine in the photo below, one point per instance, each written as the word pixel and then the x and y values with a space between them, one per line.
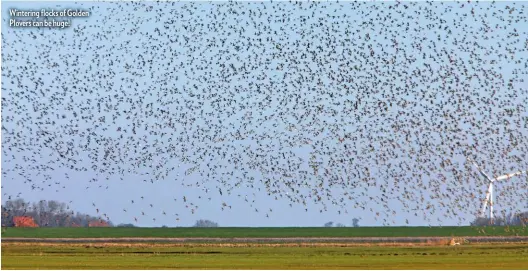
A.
pixel 489 193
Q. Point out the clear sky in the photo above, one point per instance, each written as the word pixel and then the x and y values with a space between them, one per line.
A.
pixel 452 76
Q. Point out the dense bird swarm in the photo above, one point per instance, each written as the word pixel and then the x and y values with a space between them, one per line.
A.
pixel 353 104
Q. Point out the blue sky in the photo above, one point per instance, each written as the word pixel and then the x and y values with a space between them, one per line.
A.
pixel 168 54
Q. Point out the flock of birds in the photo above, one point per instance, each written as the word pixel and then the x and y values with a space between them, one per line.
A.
pixel 347 105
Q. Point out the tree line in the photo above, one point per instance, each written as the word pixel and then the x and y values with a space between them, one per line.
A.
pixel 57 214
pixel 19 213
pixel 46 214
pixel 329 224
pixel 520 219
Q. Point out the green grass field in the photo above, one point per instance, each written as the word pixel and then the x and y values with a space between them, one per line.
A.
pixel 27 256
pixel 264 232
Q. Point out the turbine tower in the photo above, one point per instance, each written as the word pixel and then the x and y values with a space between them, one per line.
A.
pixel 489 193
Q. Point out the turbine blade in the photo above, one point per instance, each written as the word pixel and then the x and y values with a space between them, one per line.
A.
pixel 507 176
pixel 480 170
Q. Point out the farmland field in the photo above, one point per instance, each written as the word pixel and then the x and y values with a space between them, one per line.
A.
pixel 204 256
pixel 275 248
pixel 263 232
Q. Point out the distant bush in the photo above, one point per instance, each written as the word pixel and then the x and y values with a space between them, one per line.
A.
pixel 127 225
pixel 204 223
